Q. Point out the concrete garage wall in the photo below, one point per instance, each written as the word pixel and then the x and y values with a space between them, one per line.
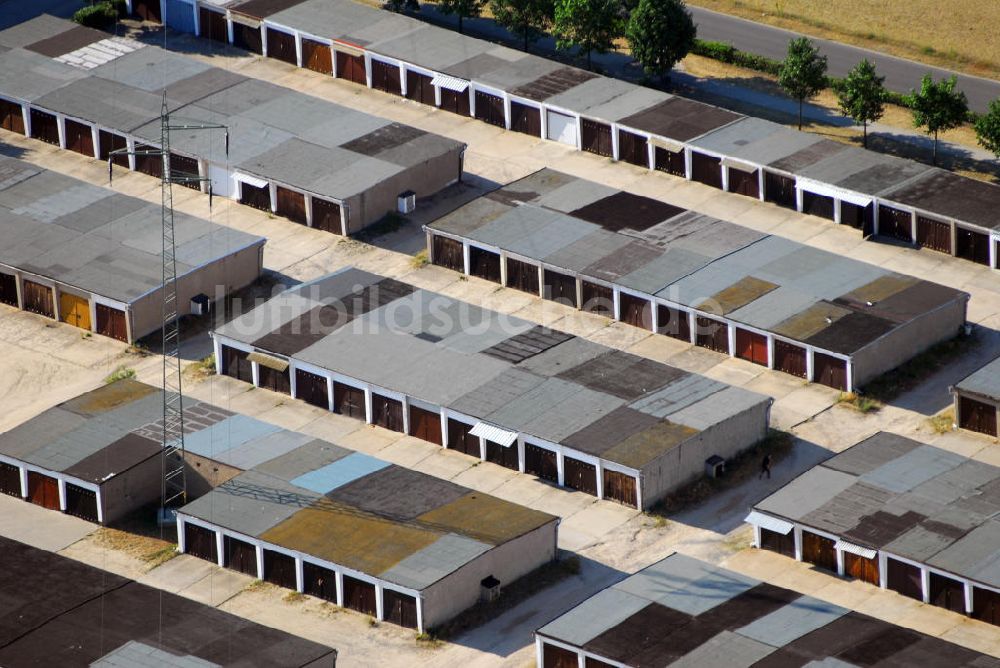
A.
pixel 686 462
pixel 203 474
pixel 127 492
pixel 908 340
pixel 226 275
pixel 508 562
pixel 424 179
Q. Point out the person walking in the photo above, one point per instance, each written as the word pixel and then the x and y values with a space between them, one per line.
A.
pixel 765 467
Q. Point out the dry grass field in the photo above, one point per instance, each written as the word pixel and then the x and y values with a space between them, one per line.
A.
pixel 960 34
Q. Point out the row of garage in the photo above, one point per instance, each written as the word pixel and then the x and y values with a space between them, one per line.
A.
pixel 881 569
pixel 390 410
pixel 270 563
pixel 673 320
pixel 51 491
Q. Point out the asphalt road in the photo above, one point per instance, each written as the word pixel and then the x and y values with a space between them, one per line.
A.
pixel 900 75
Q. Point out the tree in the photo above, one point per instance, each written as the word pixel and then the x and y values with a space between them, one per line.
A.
pixel 988 129
pixel 937 106
pixel 803 71
pixel 464 9
pixel 660 33
pixel 862 95
pixel 400 6
pixel 591 25
pixel 526 19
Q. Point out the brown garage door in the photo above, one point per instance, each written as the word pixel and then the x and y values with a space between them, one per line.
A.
pixel 279 569
pixel 819 551
pixel 560 288
pixel 455 102
pixel 779 190
pixel 504 456
pixel 484 264
pixel 986 606
pixel 349 401
pixel 43 490
pixel 113 142
pixel 751 346
pixel 419 88
pixel 778 542
pixel 359 596
pixel 81 502
pixel 247 38
pixel 387 412
pixel 977 416
pixel 200 542
pixel 291 204
pixel 673 323
pixel 240 556
pixel 817 205
pixel 461 440
pixel 425 425
pixel 320 582
pixel 147 161
pixel 311 388
pixel 44 127
pixel 894 223
pixel 671 162
pixel 448 253
pixel 316 56
pixel 861 568
pixel 351 68
pixel 744 183
pixel 79 138
pixel 580 475
pixel 790 358
pixel 399 608
pixel 558 657
pixel 147 10
pixel 706 169
pixel 525 119
pixel 858 217
pixel 326 216
pixel 235 364
pixel 522 276
pixel 258 198
pixel 934 234
pixel 187 168
pixel 8 290
pixel 10 479
pixel 620 487
pixel 274 380
pixel 973 246
pixel 947 593
pixel 281 46
pixel 632 149
pixel 385 77
pixel 111 322
pixel 540 462
pixel 595 137
pixel 635 311
pixel 37 298
pixel 904 579
pixel 213 25
pixel 712 334
pixel 598 299
pixel 489 109
pixel 830 371
pixel 11 117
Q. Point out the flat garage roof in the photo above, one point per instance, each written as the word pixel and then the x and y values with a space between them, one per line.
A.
pixel 767 282
pixel 687 612
pixel 492 367
pixel 985 381
pixel 97 240
pixel 905 498
pixel 60 611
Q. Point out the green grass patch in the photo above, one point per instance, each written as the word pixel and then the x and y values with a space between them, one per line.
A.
pixel 859 402
pixel 420 260
pixel 942 423
pixel 120 373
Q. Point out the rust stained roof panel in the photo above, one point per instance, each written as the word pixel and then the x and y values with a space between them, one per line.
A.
pixel 811 321
pixel 606 432
pixel 643 447
pixel 470 217
pixel 108 397
pixel 911 302
pixel 397 493
pixel 485 518
pixel 851 333
pixel 881 288
pixel 739 294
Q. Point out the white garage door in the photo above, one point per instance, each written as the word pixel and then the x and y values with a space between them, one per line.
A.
pixel 561 128
pixel 222 181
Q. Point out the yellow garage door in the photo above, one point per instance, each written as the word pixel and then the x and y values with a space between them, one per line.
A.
pixel 74 310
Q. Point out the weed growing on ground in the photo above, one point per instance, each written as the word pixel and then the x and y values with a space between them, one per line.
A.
pixel 420 260
pixel 120 373
pixel 944 422
pixel 293 597
pixel 859 402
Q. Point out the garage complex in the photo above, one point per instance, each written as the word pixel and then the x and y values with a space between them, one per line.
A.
pixel 314 162
pixel 498 388
pixel 685 612
pixel 78 615
pixel 880 195
pixel 762 298
pixel 899 514
pixel 977 400
pixel 90 257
